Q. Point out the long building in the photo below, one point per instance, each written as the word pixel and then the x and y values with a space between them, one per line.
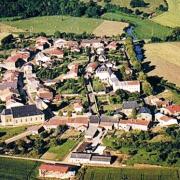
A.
pixel 22 115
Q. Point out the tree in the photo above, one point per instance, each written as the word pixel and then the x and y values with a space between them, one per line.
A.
pixel 147 88
pixel 137 65
pixel 7 40
pixel 57 34
pixel 142 76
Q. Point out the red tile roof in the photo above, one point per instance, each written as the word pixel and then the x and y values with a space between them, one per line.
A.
pixel 166 118
pixel 54 167
pixel 135 122
pixel 54 51
pixel 17 56
pixel 174 108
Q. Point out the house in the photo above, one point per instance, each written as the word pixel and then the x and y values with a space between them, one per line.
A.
pixel 72 73
pixel 10 76
pixel 145 113
pixel 101 159
pixel 35 129
pixel 80 157
pixel 7 93
pixel 100 51
pixel 17 60
pixel 42 58
pixel 75 122
pixel 102 58
pixel 103 73
pixel 134 124
pixel 56 52
pixel 42 43
pixel 91 67
pixel 172 110
pixel 45 94
pixel 60 171
pixel 78 107
pixel 112 45
pixel 95 43
pixel 27 68
pixel 22 115
pixel 109 122
pixel 165 120
pixel 131 86
pixel 61 43
pixel 129 106
pixel 12 103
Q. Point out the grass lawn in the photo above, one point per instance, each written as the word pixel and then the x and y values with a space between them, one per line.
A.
pixel 170 18
pixel 18 169
pixel 6 133
pixel 144 29
pixel 96 173
pixel 97 85
pixel 63 150
pixel 166 59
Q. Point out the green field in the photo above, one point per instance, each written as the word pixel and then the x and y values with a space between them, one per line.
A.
pixel 11 169
pixel 93 173
pixel 172 17
pixel 144 29
pixel 50 24
pixel 63 150
pixel 6 133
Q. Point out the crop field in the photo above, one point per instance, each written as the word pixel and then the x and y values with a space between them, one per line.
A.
pixel 166 59
pixel 172 17
pixel 110 28
pixel 144 29
pixel 17 169
pixel 51 24
pixel 93 173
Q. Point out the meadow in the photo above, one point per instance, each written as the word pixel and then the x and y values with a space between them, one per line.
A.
pixel 170 18
pixel 18 169
pixel 166 59
pixel 144 28
pixel 78 25
pixel 96 173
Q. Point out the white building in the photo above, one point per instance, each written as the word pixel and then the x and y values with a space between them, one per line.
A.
pixel 165 120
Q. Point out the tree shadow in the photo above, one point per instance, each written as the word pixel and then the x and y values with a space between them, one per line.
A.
pixel 147 67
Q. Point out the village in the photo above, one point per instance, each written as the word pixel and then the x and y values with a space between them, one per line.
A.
pixel 89 88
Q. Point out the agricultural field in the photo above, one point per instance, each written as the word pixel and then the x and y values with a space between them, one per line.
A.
pixel 6 133
pixel 96 173
pixel 153 4
pixel 51 24
pixel 144 28
pixel 165 58
pixel 17 169
pixel 172 17
pixel 110 28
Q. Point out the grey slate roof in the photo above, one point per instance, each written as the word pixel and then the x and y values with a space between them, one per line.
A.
pixel 144 110
pixel 23 111
pixel 80 155
pixel 102 158
pixel 94 119
pixel 27 110
pixel 109 119
pixel 130 105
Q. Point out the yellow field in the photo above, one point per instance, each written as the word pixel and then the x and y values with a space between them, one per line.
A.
pixel 110 28
pixel 172 17
pixel 166 59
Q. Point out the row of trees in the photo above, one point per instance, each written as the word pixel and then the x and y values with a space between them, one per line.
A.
pixel 25 8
